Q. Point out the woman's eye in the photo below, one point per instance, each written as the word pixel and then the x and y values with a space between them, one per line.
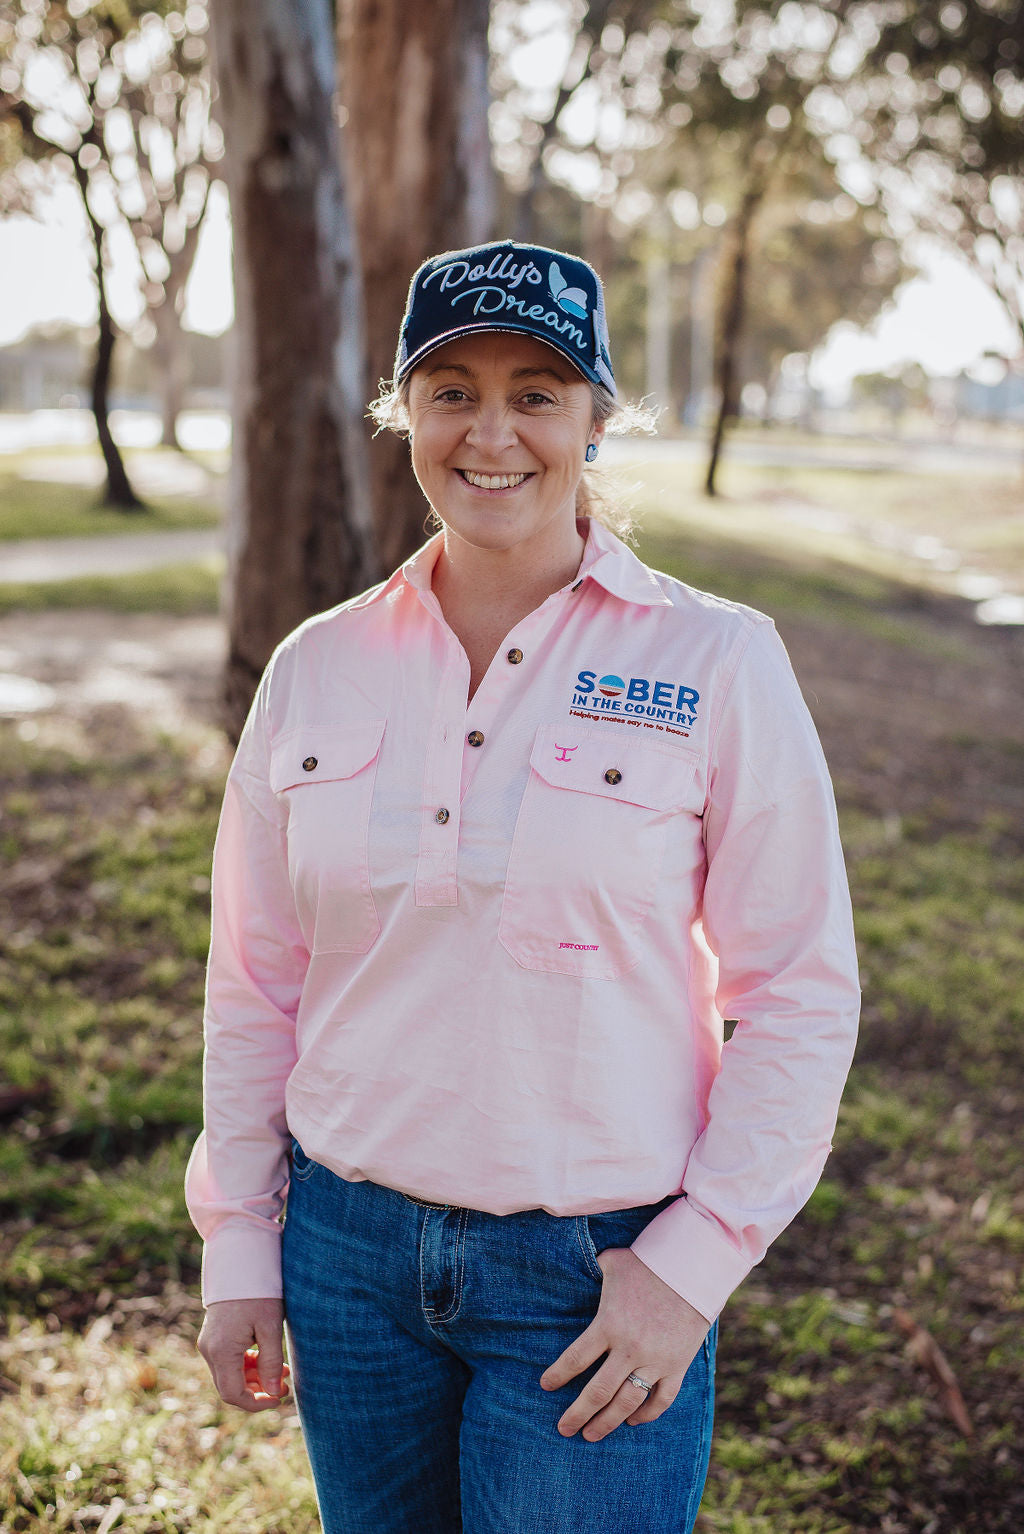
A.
pixel 536 398
pixel 451 396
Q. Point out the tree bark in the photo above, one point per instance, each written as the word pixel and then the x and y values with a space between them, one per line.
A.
pixel 172 370
pixel 732 312
pixel 118 491
pixel 414 93
pixel 300 533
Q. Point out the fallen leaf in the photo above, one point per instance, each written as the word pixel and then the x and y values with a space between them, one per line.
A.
pixel 925 1351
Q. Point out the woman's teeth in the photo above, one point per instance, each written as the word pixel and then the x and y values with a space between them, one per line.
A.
pixel 493 481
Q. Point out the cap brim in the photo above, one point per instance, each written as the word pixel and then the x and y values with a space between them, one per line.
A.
pixel 414 360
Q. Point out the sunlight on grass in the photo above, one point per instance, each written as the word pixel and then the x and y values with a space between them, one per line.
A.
pixel 184 590
pixel 888 523
pixel 38 508
pixel 93 1429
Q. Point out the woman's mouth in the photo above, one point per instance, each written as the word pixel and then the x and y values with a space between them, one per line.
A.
pixel 491 481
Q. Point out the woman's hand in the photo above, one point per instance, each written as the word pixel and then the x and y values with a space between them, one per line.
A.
pixel 646 1329
pixel 242 1342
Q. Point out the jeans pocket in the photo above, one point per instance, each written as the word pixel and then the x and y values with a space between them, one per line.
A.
pixel 587 1247
pixel 303 1166
pixel 615 1228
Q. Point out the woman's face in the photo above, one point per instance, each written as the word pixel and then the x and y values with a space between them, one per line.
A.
pixel 499 427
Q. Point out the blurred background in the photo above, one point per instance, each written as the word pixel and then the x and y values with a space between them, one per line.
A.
pixel 810 222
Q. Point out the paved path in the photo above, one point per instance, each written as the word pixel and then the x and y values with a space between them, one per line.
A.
pixel 57 559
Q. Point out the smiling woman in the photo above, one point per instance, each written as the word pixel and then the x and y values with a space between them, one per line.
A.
pixel 505 840
pixel 498 436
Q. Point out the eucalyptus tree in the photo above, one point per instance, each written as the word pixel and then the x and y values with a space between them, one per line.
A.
pixel 931 116
pixel 356 145
pixel 300 525
pixel 702 109
pixel 114 97
pixel 414 102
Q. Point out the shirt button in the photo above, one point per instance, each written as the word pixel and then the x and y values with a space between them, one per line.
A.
pixel 309 764
pixel 514 657
pixel 475 737
pixel 442 817
pixel 613 776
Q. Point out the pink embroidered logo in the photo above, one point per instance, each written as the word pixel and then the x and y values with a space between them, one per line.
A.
pixel 564 752
pixel 581 947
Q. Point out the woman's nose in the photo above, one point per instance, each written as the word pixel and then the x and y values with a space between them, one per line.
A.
pixel 491 429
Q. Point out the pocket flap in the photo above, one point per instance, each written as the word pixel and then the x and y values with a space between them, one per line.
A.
pixel 318 755
pixel 615 765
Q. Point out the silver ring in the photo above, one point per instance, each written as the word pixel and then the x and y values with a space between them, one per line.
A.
pixel 634 1379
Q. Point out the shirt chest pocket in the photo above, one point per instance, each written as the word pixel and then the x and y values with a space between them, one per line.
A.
pixel 326 777
pixel 590 839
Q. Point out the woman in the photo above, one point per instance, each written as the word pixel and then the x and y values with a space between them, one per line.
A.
pixel 505 839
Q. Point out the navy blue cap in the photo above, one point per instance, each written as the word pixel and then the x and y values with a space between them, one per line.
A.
pixel 525 289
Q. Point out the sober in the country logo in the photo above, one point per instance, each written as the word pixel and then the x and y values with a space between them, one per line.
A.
pixel 640 697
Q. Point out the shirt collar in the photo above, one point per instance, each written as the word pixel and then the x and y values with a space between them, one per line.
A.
pixel 606 560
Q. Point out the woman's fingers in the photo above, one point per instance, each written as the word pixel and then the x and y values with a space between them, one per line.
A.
pixel 644 1328
pixel 269 1332
pixel 579 1355
pixel 232 1333
pixel 659 1400
pixel 605 1401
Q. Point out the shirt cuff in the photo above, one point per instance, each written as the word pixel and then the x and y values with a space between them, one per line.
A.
pixel 690 1254
pixel 242 1262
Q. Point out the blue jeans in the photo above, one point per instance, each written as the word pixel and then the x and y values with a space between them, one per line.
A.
pixel 417 1336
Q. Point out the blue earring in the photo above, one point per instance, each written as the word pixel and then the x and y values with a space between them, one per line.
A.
pixel 591 452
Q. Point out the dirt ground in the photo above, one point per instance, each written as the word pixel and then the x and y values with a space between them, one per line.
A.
pixel 933 728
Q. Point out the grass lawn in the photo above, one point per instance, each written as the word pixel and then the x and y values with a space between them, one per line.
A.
pixel 33 507
pixel 920 526
pixel 829 1422
pixel 186 590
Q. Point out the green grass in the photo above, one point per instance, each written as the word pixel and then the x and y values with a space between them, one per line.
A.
pixel 130 1429
pixel 185 590
pixel 866 519
pixel 35 508
pixel 810 586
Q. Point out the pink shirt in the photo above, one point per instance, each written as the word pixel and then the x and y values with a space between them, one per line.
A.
pixel 482 954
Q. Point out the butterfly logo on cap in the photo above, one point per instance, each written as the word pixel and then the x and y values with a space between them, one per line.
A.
pixel 572 300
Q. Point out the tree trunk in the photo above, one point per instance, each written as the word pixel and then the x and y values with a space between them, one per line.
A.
pixel 732 312
pixel 172 369
pixel 300 534
pixel 658 330
pixel 414 90
pixel 118 491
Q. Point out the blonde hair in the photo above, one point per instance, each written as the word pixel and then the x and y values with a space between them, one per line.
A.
pixel 598 494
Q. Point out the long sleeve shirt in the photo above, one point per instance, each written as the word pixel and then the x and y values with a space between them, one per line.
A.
pixel 481 952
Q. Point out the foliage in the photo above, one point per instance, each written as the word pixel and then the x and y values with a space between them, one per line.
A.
pixel 672 108
pixel 937 112
pixel 804 142
pixel 116 97
pixel 124 89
